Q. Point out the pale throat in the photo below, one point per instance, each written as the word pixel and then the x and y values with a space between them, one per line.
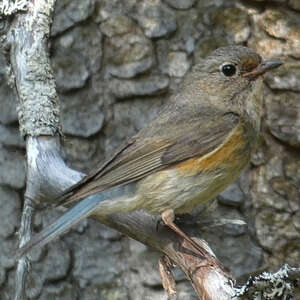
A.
pixel 253 106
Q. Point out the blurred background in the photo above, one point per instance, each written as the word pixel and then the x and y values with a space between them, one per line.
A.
pixel 116 62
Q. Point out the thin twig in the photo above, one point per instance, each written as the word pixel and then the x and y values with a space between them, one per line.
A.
pixel 167 277
pixel 24 236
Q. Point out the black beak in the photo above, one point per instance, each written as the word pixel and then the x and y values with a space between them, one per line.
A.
pixel 262 68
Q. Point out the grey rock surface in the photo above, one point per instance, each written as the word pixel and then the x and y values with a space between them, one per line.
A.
pixel 68 13
pixel 294 4
pixel 148 86
pixel 70 70
pixel 116 63
pixel 156 19
pixel 10 136
pixel 9 211
pixel 64 291
pixel 283 117
pixel 286 78
pixel 178 64
pixel 53 267
pixel 232 196
pixel 73 62
pixel 82 113
pixel 8 111
pixel 117 25
pixel 129 54
pixel 181 4
pixel 89 255
pixel 7 260
pixel 233 23
pixel 12 168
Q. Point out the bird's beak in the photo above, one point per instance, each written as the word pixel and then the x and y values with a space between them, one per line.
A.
pixel 262 68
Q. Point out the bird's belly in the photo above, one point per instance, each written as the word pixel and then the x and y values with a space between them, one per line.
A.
pixel 168 189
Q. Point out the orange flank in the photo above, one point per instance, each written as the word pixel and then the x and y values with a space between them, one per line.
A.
pixel 229 154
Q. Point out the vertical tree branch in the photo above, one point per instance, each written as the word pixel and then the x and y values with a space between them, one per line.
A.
pixel 38 109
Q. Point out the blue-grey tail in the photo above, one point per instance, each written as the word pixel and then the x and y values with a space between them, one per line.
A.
pixel 81 210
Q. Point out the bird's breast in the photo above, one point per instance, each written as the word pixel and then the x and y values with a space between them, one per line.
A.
pixel 230 155
pixel 197 180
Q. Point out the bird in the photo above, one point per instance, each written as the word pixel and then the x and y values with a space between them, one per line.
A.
pixel 198 144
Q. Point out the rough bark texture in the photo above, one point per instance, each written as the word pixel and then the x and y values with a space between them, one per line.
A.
pixel 116 62
pixel 29 41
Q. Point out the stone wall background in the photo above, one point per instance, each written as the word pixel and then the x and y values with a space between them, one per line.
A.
pixel 116 62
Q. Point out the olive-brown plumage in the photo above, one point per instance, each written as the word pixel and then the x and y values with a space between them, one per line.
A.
pixel 199 143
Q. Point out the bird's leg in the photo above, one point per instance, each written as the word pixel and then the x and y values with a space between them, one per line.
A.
pixel 168 217
pixel 208 258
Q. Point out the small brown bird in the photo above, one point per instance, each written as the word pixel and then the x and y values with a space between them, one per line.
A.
pixel 199 144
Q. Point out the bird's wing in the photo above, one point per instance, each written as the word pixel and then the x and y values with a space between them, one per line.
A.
pixel 147 153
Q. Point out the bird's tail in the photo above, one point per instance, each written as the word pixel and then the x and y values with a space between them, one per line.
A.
pixel 81 210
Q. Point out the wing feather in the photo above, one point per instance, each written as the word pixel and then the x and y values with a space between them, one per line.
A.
pixel 155 149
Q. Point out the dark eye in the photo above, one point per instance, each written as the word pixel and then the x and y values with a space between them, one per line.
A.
pixel 228 70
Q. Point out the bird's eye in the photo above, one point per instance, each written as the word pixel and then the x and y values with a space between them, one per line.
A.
pixel 228 70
